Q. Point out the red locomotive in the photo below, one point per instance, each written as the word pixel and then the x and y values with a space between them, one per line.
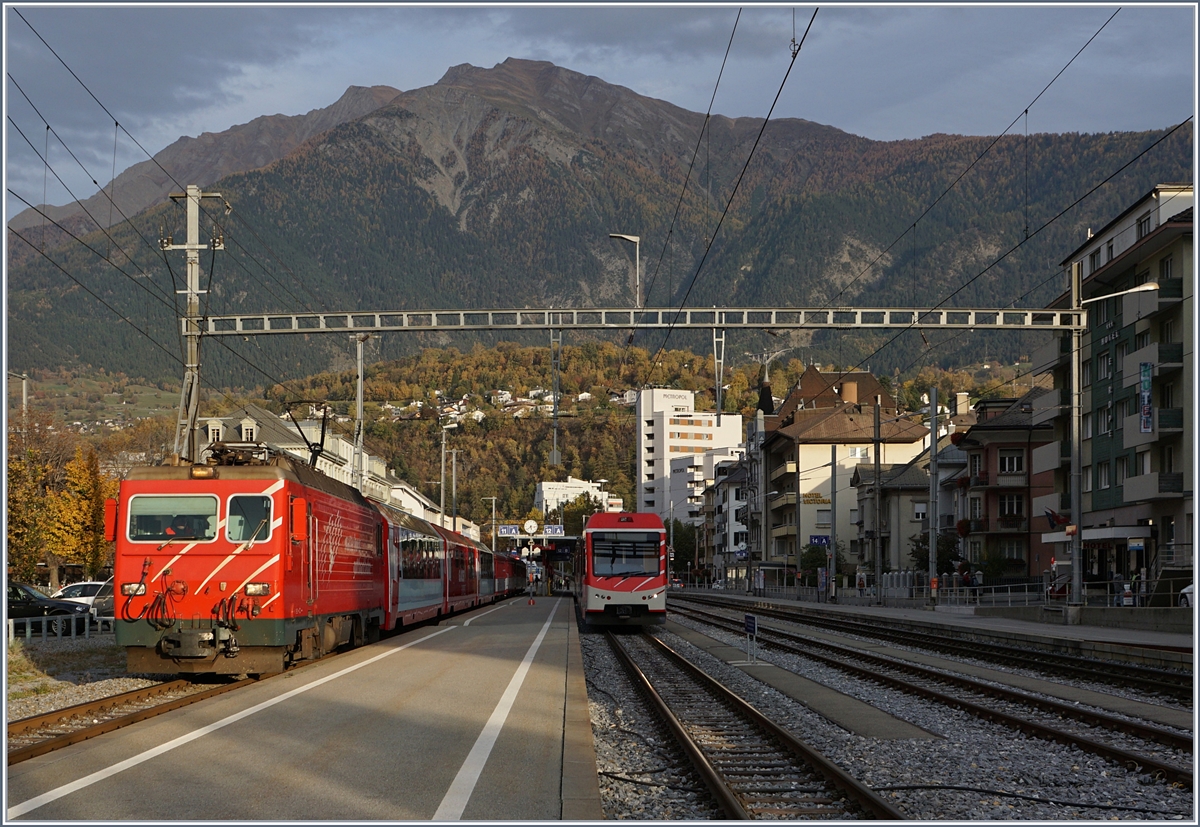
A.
pixel 253 561
pixel 621 570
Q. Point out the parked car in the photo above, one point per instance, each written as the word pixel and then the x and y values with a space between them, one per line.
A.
pixel 676 583
pixel 84 592
pixel 102 604
pixel 25 601
pixel 1185 597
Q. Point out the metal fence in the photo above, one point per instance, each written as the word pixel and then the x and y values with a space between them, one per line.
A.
pixel 66 627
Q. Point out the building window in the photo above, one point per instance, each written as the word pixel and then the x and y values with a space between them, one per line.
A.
pixel 1131 406
pixel 1166 395
pixel 1086 426
pixel 1012 462
pixel 1166 331
pixel 1087 478
pixel 1108 249
pixel 1085 373
pixel 1103 480
pixel 1102 310
pixel 1122 352
pixel 1104 365
pixel 1122 464
pixel 1167 535
pixel 1104 424
pixel 1142 462
pixel 860 452
pixel 1012 504
pixel 976 464
pixel 1141 340
pixel 854 516
pixel 975 550
pixel 1166 461
pixel 976 508
pixel 823 515
pixel 1094 261
pixel 1164 269
pixel 1143 226
pixel 920 511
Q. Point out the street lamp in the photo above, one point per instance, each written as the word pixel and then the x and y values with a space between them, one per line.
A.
pixel 637 265
pixel 1077 303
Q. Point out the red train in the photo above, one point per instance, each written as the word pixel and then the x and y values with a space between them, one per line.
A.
pixel 255 561
pixel 621 570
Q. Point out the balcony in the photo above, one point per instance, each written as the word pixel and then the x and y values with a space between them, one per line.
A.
pixel 1010 523
pixel 1165 356
pixel 1053 354
pixel 1020 480
pixel 781 531
pixel 1050 456
pixel 979 525
pixel 1170 291
pixel 1050 406
pixel 784 468
pixel 979 480
pixel 1165 422
pixel 1149 487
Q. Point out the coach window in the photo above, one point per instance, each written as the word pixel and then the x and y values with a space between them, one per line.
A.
pixel 157 518
pixel 249 519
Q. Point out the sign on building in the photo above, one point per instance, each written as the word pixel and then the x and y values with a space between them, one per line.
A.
pixel 1146 424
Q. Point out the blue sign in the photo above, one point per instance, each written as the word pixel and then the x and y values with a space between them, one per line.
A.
pixel 751 625
pixel 553 531
pixel 1146 417
pixel 818 539
pixel 508 531
pixel 741 555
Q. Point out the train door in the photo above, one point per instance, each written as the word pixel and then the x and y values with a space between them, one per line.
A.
pixel 302 545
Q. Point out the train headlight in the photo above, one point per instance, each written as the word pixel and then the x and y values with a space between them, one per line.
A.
pixel 129 589
pixel 258 588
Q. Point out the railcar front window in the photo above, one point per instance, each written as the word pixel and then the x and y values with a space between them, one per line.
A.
pixel 249 519
pixel 625 553
pixel 154 518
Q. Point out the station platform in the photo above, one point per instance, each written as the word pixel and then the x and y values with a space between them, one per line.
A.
pixel 1160 648
pixel 481 717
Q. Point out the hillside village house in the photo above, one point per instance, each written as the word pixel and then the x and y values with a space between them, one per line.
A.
pixel 1138 400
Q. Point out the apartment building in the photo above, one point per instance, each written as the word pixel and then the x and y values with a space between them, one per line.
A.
pixel 690 475
pixel 723 538
pixel 825 430
pixel 1137 409
pixel 669 427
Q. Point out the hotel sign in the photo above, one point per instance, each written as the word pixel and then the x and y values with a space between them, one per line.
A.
pixel 1146 423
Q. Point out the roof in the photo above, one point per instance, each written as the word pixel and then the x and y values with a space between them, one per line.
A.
pixel 817 390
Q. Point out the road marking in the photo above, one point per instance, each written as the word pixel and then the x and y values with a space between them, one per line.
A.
pixel 452 806
pixel 88 780
pixel 467 622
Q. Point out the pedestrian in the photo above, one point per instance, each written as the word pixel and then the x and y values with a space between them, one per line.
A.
pixel 862 585
pixel 1117 587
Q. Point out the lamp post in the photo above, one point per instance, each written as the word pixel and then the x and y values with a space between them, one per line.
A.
pixel 1077 303
pixel 637 264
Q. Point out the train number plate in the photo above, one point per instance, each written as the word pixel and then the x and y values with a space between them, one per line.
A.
pixel 624 611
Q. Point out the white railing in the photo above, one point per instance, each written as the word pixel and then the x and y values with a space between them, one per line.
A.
pixel 54 628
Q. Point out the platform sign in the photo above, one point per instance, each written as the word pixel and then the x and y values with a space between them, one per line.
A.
pixel 818 539
pixel 508 531
pixel 751 638
pixel 553 531
pixel 751 625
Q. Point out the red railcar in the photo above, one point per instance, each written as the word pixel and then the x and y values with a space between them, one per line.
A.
pixel 621 570
pixel 252 562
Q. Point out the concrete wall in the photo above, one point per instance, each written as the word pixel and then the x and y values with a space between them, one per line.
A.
pixel 1173 619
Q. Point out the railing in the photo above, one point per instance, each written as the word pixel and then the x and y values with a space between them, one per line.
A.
pixel 1170 418
pixel 54 628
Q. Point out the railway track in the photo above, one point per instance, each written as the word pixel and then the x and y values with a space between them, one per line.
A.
pixel 753 767
pixel 1039 717
pixel 1178 686
pixel 40 734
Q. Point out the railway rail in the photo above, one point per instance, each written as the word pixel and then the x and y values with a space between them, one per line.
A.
pixel 1039 717
pixel 1176 685
pixel 753 767
pixel 40 734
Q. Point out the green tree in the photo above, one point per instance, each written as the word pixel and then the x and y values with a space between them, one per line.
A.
pixel 948 555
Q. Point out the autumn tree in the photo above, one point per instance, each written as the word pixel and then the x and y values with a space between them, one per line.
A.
pixel 77 529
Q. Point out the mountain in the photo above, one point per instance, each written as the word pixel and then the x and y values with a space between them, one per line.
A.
pixel 206 159
pixel 499 188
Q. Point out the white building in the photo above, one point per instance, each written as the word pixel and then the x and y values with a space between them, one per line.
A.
pixel 669 427
pixel 549 496
pixel 690 475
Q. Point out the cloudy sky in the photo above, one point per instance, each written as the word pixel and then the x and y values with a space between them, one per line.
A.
pixel 884 72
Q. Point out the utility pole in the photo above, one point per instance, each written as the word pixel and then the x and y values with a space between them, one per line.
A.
pixel 799 544
pixel 493 499
pixel 24 398
pixel 189 395
pixel 931 511
pixel 831 590
pixel 454 488
pixel 442 486
pixel 878 515
pixel 556 355
pixel 360 338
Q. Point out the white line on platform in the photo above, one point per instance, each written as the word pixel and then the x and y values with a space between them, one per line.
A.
pixel 452 806
pixel 467 622
pixel 88 780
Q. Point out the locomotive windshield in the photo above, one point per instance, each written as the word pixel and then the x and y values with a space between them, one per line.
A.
pixel 166 518
pixel 625 553
pixel 249 518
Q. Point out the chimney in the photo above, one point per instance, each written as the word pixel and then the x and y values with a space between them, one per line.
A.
pixel 850 393
pixel 962 402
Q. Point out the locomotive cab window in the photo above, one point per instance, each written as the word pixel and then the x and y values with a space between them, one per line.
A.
pixel 154 518
pixel 625 553
pixel 249 519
